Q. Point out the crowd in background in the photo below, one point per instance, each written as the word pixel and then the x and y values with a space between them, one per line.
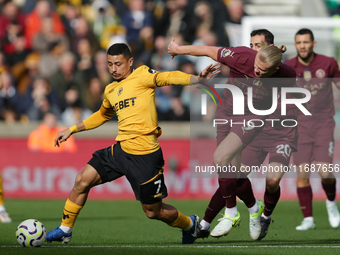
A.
pixel 53 53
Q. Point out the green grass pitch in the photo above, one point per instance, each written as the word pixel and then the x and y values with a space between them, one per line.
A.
pixel 121 227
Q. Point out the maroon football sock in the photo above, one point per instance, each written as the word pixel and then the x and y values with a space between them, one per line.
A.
pixel 270 201
pixel 228 190
pixel 244 191
pixel 330 190
pixel 305 196
pixel 217 202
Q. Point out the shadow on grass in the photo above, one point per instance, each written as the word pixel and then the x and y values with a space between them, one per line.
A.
pixel 273 242
pixel 88 218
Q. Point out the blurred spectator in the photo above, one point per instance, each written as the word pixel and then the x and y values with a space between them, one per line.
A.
pixel 49 60
pixel 67 77
pixel 35 19
pixel 174 19
pixel 101 69
pixel 210 15
pixel 107 24
pixel 69 20
pixel 206 38
pixel 94 94
pixel 9 99
pixel 19 52
pixel 82 31
pixel 75 110
pixel 105 17
pixel 144 48
pixel 25 72
pixel 85 55
pixel 161 60
pixel 42 138
pixel 42 40
pixel 233 25
pixel 134 20
pixel 29 5
pixel 12 22
pixel 39 99
pixel 163 103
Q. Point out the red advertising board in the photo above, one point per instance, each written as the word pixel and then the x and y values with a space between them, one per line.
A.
pixel 38 175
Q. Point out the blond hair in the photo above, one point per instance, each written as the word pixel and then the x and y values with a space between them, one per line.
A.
pixel 271 54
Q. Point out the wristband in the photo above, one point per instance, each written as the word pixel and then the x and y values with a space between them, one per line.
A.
pixel 74 129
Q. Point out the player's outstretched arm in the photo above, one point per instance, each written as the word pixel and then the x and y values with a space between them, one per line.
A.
pixel 95 120
pixel 194 50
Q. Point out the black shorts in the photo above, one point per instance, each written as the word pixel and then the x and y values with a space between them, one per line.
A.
pixel 144 172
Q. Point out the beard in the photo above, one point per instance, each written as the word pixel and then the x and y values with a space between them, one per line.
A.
pixel 308 56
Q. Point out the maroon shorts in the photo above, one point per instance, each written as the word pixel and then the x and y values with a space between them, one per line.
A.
pixel 255 155
pixel 239 126
pixel 316 141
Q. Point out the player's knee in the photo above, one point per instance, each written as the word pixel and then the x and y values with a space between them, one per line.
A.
pixel 303 182
pixel 81 184
pixel 272 185
pixel 152 214
pixel 220 159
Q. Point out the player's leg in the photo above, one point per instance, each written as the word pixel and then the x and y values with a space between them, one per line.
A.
pixel 4 217
pixel 328 182
pixel 305 196
pixel 100 169
pixel 87 179
pixel 272 193
pixel 145 174
pixel 174 218
pixel 216 204
pixel 230 148
pixel 302 159
pixel 323 154
pixel 253 157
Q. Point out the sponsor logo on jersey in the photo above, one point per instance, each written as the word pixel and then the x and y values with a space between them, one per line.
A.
pixel 320 73
pixel 125 103
pixel 307 75
pixel 152 70
pixel 120 91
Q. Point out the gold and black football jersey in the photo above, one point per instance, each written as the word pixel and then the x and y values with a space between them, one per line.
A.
pixel 133 100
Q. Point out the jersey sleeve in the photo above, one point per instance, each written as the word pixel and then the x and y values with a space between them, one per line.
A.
pixel 236 57
pixel 152 78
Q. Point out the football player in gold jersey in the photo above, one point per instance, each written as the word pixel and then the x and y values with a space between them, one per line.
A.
pixel 4 217
pixel 137 154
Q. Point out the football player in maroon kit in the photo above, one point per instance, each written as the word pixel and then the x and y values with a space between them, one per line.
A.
pixel 276 141
pixel 246 68
pixel 316 142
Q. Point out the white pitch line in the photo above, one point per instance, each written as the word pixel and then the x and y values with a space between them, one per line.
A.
pixel 180 246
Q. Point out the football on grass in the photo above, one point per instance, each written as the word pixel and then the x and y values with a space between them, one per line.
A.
pixel 31 233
